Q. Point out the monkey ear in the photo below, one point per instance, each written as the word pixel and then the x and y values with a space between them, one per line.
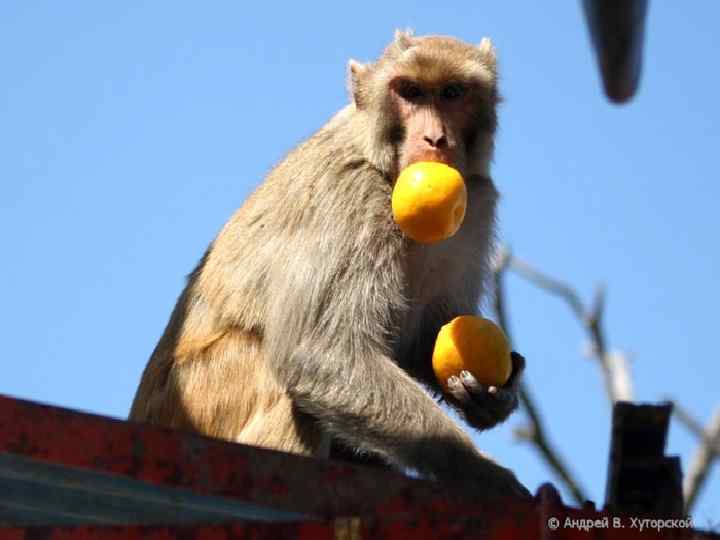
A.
pixel 358 74
pixel 403 39
pixel 487 53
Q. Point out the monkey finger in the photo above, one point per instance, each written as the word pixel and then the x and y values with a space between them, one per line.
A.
pixel 468 398
pixel 466 389
pixel 505 483
pixel 457 390
pixel 486 395
pixel 518 363
pixel 521 491
pixel 499 403
pixel 482 406
pixel 504 400
pixel 516 489
pixel 518 367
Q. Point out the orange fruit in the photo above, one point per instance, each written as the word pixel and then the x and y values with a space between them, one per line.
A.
pixel 473 344
pixel 429 201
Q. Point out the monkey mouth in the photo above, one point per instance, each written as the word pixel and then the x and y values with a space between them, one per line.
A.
pixel 439 156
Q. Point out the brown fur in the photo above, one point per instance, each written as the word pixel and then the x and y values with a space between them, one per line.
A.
pixel 311 316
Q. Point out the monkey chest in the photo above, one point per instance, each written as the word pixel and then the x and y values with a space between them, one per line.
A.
pixel 435 272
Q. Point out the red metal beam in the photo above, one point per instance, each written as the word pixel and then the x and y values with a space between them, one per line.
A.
pixel 387 505
pixel 212 467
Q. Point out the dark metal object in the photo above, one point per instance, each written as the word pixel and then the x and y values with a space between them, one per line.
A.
pixel 617 30
pixel 641 479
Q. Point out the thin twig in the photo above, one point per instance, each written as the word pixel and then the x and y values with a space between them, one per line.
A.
pixel 614 367
pixel 535 432
pixel 622 381
pixel 683 416
pixel 707 452
pixel 549 284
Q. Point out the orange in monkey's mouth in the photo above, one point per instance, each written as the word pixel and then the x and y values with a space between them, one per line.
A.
pixel 429 201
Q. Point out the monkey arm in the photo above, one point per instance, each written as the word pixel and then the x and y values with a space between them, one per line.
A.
pixel 327 347
pixel 365 399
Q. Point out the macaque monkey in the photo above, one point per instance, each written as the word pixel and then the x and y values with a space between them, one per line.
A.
pixel 310 321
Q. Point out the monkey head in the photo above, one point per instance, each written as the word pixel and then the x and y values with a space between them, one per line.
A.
pixel 428 99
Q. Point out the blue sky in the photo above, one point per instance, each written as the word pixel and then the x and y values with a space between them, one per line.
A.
pixel 129 132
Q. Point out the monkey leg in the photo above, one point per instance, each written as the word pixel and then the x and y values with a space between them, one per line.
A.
pixel 222 387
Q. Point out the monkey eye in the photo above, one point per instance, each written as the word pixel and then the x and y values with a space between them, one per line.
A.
pixel 410 91
pixel 453 91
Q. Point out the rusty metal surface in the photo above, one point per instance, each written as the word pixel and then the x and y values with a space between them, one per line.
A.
pixel 255 531
pixel 385 505
pixel 421 528
pixel 211 467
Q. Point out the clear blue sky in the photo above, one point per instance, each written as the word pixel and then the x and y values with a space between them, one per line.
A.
pixel 129 132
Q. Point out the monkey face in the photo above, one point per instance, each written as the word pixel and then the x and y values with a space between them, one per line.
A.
pixel 429 99
pixel 432 118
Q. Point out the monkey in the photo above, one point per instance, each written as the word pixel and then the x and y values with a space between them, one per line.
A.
pixel 308 325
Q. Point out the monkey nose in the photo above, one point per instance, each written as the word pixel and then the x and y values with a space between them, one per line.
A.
pixel 436 141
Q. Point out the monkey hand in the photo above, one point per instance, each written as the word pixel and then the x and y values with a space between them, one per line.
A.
pixel 485 478
pixel 501 482
pixel 484 406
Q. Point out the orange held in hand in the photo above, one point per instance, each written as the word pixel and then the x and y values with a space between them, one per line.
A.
pixel 473 344
pixel 429 201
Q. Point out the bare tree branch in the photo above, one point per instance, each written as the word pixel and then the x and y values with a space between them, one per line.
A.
pixel 535 432
pixel 688 420
pixel 707 452
pixel 616 376
pixel 622 381
pixel 614 366
pixel 549 284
